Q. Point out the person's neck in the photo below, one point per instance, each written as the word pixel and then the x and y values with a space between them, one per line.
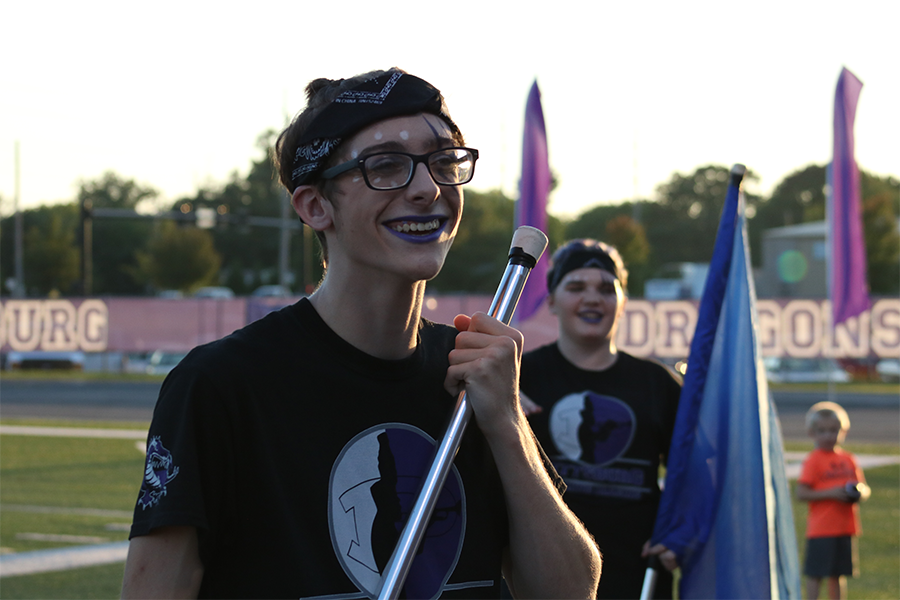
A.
pixel 589 356
pixel 379 317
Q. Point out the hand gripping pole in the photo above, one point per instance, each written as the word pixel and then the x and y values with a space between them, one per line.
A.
pixel 527 246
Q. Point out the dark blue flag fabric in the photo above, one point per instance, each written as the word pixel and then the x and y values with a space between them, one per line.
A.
pixel 726 507
pixel 848 289
pixel 534 188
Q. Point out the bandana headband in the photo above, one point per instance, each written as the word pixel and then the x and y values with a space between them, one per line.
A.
pixel 393 94
pixel 583 257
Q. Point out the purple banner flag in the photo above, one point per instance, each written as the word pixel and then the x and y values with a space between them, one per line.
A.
pixel 848 287
pixel 531 208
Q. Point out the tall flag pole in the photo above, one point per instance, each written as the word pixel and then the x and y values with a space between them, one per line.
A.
pixel 726 507
pixel 848 286
pixel 534 188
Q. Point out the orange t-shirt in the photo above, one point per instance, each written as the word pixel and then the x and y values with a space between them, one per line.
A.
pixel 822 470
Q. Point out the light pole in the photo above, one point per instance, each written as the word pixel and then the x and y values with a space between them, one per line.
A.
pixel 18 290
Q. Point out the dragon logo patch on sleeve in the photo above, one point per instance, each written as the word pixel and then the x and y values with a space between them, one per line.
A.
pixel 159 470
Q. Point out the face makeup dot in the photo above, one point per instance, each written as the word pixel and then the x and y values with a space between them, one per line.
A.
pixel 404 135
pixel 378 135
pixel 354 154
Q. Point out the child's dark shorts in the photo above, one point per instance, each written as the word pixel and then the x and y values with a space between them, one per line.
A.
pixel 831 557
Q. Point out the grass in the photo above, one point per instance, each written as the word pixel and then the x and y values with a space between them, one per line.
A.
pixel 79 473
pixel 68 474
pixel 71 472
pixel 91 582
pixel 75 375
pixel 853 387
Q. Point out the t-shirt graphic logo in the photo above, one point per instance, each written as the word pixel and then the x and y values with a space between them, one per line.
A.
pixel 159 470
pixel 374 484
pixel 592 428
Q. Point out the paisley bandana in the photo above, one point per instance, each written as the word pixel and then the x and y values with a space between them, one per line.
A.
pixel 579 254
pixel 393 94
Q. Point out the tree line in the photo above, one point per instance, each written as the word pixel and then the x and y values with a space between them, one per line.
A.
pixel 151 251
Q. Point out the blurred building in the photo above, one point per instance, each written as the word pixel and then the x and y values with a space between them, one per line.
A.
pixel 677 281
pixel 794 262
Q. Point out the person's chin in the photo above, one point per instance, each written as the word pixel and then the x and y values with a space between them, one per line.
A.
pixel 591 334
pixel 598 329
pixel 426 269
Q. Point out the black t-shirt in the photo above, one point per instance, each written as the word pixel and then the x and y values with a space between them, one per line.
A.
pixel 605 432
pixel 297 457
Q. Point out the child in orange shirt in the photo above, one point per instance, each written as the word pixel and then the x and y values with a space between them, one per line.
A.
pixel 833 484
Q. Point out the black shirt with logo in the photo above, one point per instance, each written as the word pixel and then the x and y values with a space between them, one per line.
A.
pixel 606 433
pixel 298 457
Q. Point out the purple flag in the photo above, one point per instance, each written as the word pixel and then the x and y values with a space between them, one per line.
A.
pixel 848 288
pixel 531 208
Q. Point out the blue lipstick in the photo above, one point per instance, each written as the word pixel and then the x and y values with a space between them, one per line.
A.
pixel 417 229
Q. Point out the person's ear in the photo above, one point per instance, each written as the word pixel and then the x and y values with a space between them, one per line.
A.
pixel 551 304
pixel 312 208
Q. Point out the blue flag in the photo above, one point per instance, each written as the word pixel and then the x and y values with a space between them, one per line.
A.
pixel 726 508
pixel 534 188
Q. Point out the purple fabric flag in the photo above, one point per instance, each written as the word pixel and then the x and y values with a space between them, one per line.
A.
pixel 531 208
pixel 848 288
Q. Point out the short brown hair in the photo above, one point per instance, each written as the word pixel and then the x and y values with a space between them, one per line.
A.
pixel 821 410
pixel 293 143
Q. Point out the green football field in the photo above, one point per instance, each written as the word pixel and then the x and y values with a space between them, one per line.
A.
pixel 64 491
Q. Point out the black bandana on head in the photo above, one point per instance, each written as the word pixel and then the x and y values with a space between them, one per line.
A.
pixel 579 256
pixel 393 94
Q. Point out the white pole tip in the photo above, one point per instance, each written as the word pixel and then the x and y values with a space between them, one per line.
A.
pixel 531 240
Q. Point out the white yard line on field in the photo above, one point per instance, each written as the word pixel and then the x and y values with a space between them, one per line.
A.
pixel 793 461
pixel 67 510
pixel 84 432
pixel 44 561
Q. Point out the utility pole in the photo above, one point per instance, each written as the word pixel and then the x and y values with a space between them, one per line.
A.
pixel 636 207
pixel 19 289
pixel 284 247
pixel 87 246
pixel 284 251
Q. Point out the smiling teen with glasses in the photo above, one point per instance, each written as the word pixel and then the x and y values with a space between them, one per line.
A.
pixel 283 458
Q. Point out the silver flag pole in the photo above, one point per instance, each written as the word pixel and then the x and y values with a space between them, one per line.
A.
pixel 527 246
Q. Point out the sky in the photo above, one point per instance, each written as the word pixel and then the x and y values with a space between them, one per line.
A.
pixel 175 94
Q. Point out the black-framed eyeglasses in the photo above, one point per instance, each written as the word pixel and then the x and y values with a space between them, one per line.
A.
pixel 395 170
